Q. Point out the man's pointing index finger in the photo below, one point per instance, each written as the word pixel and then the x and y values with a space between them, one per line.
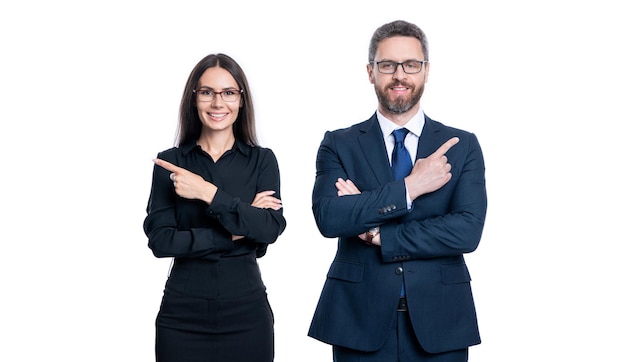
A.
pixel 446 146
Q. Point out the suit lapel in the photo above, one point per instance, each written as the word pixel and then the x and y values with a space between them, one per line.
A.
pixel 429 140
pixel 373 147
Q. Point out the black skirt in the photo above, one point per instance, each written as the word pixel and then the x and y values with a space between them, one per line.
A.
pixel 205 318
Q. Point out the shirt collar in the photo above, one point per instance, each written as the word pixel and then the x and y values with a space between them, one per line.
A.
pixel 414 125
pixel 239 146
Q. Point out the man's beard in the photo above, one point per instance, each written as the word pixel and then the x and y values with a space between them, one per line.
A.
pixel 400 105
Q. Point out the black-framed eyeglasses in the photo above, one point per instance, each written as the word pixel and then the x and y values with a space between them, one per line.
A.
pixel 208 95
pixel 408 66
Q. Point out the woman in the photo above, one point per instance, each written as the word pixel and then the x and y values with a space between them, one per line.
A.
pixel 215 206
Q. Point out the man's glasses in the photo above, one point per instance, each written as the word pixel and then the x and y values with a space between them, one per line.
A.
pixel 409 66
pixel 228 95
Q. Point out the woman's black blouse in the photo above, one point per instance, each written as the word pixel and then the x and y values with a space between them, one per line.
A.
pixel 183 228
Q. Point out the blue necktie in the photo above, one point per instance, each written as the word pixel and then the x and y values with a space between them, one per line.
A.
pixel 401 163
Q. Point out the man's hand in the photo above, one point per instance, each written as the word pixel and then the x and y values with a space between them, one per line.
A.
pixel 431 173
pixel 347 187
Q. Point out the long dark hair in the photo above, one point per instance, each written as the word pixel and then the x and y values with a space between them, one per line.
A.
pixel 189 124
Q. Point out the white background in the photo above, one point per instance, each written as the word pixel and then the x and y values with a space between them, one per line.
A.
pixel 89 93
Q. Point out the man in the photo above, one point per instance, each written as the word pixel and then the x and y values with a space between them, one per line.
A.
pixel 398 288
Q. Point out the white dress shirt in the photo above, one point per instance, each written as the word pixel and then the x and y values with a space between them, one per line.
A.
pixel 415 126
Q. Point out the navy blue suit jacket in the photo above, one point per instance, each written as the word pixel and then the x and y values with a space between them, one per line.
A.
pixel 424 245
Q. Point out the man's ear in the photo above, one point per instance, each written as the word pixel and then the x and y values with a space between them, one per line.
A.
pixel 370 73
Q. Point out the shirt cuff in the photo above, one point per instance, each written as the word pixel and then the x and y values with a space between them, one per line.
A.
pixel 409 202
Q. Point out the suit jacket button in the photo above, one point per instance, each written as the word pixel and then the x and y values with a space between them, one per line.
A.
pixel 399 270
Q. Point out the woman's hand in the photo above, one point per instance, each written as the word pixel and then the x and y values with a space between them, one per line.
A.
pixel 188 184
pixel 265 200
